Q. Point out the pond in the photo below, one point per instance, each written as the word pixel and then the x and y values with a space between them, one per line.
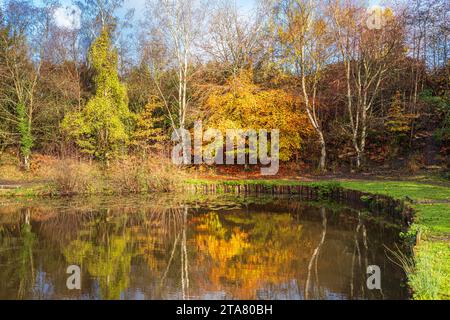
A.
pixel 198 247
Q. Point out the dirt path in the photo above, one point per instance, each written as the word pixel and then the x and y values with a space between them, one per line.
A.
pixel 6 185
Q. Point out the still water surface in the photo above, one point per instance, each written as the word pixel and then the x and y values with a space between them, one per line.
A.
pixel 200 248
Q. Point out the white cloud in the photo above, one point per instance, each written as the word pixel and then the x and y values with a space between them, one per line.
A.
pixel 68 17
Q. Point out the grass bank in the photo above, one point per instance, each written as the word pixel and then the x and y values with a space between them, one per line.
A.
pixel 429 276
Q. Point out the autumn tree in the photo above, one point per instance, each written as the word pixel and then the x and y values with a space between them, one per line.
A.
pixel 241 104
pixel 177 25
pixel 148 134
pixel 368 54
pixel 139 87
pixel 101 127
pixel 21 59
pixel 234 40
pixel 98 15
pixel 305 46
pixel 398 122
pixel 15 70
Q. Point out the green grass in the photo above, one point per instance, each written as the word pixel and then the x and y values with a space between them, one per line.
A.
pixel 431 280
pixel 435 217
pixel 401 189
pixel 36 190
pixel 395 189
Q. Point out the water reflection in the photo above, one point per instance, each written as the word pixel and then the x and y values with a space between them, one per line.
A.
pixel 161 248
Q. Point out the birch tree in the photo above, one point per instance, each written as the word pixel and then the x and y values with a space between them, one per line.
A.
pixel 177 23
pixel 305 50
pixel 21 59
pixel 367 55
pixel 236 39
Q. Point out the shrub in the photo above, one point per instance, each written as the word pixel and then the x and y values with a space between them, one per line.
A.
pixel 73 177
pixel 164 175
pixel 133 175
pixel 10 168
pixel 127 176
pixel 415 163
pixel 446 175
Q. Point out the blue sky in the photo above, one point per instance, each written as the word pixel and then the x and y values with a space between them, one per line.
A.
pixel 244 4
pixel 139 6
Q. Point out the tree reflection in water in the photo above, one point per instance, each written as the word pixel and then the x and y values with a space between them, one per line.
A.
pixel 315 257
pixel 184 249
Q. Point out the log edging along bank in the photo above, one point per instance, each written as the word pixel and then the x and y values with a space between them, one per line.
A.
pixel 375 203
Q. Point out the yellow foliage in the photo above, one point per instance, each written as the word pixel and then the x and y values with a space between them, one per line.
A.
pixel 148 134
pixel 399 122
pixel 241 104
pixel 248 259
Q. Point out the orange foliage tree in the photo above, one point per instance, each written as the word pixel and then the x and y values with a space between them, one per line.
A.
pixel 242 104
